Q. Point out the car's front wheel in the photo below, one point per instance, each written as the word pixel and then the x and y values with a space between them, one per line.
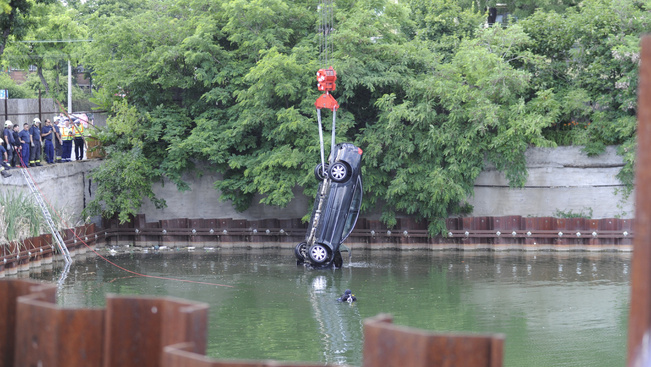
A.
pixel 339 172
pixel 319 253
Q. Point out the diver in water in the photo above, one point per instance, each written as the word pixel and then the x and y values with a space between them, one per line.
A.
pixel 347 297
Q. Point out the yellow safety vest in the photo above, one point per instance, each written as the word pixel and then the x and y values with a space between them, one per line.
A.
pixel 66 133
pixel 79 130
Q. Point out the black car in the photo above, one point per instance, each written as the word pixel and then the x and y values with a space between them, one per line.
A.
pixel 336 208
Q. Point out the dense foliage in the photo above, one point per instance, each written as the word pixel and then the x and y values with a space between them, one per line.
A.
pixel 16 19
pixel 50 42
pixel 428 90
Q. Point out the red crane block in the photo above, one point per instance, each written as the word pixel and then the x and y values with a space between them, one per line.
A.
pixel 326 100
pixel 326 79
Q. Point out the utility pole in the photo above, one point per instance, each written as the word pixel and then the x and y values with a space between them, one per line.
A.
pixel 69 87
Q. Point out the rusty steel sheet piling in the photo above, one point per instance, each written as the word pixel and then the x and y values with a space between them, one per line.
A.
pixel 463 233
pixel 10 290
pixel 138 328
pixel 640 310
pixel 167 332
pixel 180 355
pixel 53 336
pixel 388 345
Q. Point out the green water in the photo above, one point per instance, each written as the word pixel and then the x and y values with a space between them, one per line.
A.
pixel 556 309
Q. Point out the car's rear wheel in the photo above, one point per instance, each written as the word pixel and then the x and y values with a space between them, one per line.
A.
pixel 301 251
pixel 339 172
pixel 319 253
pixel 319 172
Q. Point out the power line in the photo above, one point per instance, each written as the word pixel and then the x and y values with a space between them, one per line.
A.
pixel 53 41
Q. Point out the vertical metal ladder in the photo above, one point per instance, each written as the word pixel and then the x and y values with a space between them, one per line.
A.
pixel 56 236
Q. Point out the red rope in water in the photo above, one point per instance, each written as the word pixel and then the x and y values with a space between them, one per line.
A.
pixel 104 258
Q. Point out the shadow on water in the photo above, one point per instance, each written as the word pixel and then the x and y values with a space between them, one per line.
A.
pixel 556 309
pixel 339 324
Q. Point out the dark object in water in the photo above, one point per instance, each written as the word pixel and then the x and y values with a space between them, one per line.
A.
pixel 348 296
pixel 336 208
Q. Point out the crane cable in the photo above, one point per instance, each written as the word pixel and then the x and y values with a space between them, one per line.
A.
pixel 326 76
pixel 326 10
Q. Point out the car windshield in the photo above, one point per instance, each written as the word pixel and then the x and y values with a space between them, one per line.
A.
pixel 353 211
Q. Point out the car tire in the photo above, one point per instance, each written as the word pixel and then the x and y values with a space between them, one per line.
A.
pixel 318 172
pixel 319 253
pixel 339 172
pixel 301 251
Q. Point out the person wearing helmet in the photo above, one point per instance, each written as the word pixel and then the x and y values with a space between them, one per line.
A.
pixel 66 136
pixel 36 149
pixel 80 143
pixel 8 140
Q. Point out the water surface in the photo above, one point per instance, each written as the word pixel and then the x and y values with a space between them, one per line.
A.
pixel 556 309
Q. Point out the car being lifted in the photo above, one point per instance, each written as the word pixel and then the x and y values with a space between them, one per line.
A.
pixel 336 207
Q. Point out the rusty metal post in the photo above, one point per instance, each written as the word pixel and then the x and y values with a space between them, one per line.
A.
pixel 10 290
pixel 40 111
pixel 138 328
pixel 640 312
pixel 51 336
pixel 387 345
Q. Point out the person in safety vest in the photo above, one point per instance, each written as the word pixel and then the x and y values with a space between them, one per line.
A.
pixel 36 150
pixel 25 139
pixel 78 131
pixel 66 137
pixel 48 138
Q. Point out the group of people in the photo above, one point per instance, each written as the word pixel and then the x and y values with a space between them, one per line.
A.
pixel 25 147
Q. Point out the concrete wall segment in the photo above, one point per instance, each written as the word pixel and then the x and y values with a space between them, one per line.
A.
pixel 203 201
pixel 560 179
pixel 65 186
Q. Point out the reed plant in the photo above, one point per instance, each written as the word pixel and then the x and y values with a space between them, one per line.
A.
pixel 21 218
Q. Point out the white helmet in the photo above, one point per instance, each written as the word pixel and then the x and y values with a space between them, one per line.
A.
pixel 36 121
pixel 8 123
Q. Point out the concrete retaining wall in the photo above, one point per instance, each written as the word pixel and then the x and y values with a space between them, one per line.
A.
pixel 66 186
pixel 561 179
pixel 202 201
pixel 22 111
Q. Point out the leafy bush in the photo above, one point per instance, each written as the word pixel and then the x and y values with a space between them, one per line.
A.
pixel 15 90
pixel 426 89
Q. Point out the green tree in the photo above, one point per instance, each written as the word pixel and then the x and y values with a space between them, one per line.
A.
pixel 426 89
pixel 51 43
pixel 15 20
pixel 428 147
pixel 592 56
pixel 126 178
pixel 14 90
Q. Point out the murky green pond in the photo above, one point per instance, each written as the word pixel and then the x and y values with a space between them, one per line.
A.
pixel 556 309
